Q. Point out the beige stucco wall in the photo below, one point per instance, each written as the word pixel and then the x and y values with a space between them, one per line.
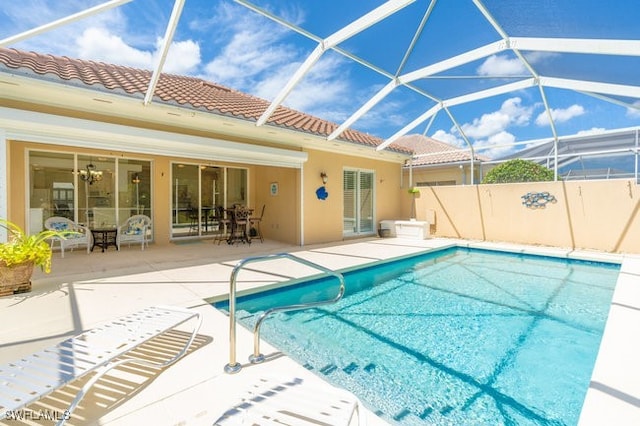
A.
pixel 599 215
pixel 280 221
pixel 323 218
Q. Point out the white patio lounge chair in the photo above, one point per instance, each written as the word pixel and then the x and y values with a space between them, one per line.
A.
pixel 136 229
pixel 95 351
pixel 79 235
pixel 292 402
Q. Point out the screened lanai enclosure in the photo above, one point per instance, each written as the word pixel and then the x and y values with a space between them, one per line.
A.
pixel 483 75
pixel 605 155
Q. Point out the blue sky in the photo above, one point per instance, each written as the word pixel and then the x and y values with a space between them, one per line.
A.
pixel 225 42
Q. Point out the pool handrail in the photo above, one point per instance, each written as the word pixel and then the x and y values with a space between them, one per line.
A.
pixel 233 366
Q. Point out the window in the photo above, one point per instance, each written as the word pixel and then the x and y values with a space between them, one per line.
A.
pixel 60 184
pixel 197 190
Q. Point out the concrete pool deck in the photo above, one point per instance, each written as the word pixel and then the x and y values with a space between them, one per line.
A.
pixel 86 290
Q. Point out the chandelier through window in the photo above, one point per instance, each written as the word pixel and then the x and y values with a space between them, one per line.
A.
pixel 91 174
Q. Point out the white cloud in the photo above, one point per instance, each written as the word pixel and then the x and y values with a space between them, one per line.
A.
pixel 510 113
pixel 491 129
pixel 537 57
pixel 183 57
pixel 319 87
pixel 488 124
pixel 106 36
pixel 492 146
pixel 560 115
pixel 486 147
pixel 256 57
pixel 101 45
pixel 29 14
pixel 518 114
pixel 250 50
pixel 501 65
pixel 259 63
pixel 386 117
pixel 449 138
pixel 592 131
pixel 249 54
pixel 634 112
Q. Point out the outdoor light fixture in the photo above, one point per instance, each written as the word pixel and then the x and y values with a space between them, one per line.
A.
pixel 135 179
pixel 90 175
pixel 324 177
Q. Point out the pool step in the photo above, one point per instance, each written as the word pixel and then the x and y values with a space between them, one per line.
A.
pixel 354 375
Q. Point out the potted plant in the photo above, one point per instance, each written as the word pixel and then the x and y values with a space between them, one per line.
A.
pixel 20 254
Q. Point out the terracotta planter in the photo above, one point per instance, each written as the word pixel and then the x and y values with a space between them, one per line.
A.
pixel 15 278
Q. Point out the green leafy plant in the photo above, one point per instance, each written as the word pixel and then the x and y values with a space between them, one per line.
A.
pixel 21 248
pixel 518 170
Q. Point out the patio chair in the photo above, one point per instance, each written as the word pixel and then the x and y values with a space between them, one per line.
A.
pixel 79 235
pixel 255 231
pixel 136 229
pixel 194 221
pixel 240 222
pixel 224 225
pixel 35 376
pixel 295 403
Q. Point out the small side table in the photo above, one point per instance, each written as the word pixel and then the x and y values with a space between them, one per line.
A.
pixel 104 237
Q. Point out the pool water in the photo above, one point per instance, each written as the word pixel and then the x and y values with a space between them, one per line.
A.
pixel 459 337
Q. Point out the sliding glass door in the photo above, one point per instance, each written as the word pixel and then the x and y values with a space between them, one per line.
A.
pixel 196 192
pixel 98 191
pixel 358 202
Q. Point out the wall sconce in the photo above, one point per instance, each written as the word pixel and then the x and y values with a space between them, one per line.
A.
pixel 90 175
pixel 324 177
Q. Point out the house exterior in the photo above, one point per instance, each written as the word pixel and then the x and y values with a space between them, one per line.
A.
pixel 436 163
pixel 77 139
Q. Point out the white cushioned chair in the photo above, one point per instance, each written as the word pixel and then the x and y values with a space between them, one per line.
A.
pixel 79 235
pixel 136 229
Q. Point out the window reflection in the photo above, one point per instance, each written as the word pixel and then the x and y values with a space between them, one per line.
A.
pixel 196 192
pixel 93 190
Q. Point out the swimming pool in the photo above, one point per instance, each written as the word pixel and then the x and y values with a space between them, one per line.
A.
pixel 460 337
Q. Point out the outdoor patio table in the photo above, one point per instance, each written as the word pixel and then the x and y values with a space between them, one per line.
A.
pixel 104 237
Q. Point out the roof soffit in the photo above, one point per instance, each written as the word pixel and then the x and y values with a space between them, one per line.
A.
pixel 57 130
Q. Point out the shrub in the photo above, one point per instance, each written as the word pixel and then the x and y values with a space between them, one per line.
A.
pixel 518 170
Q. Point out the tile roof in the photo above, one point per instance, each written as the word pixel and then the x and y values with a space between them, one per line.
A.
pixel 429 151
pixel 191 92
